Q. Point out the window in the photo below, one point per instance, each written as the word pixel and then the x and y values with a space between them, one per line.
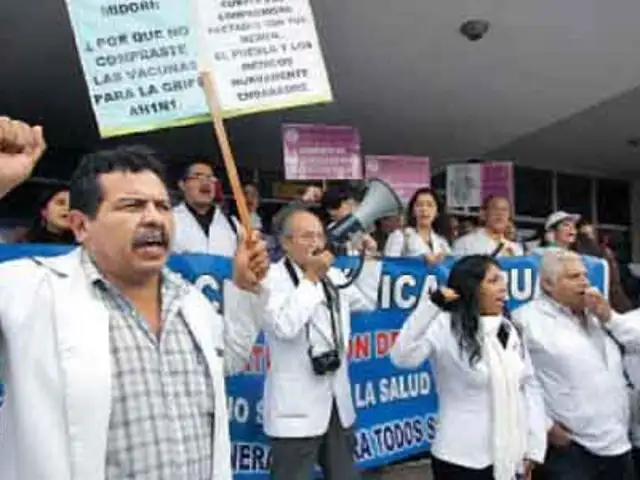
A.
pixel 533 195
pixel 574 194
pixel 613 202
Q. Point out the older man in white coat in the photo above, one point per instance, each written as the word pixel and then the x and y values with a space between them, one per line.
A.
pixel 308 409
pixel 574 341
pixel 114 365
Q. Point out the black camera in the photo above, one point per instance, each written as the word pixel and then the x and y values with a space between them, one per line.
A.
pixel 324 363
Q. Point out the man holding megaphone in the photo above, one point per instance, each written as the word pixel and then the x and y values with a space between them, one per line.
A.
pixel 308 409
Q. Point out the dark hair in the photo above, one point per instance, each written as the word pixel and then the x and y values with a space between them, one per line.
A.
pixel 465 279
pixel 334 197
pixel 587 246
pixel 440 223
pixel 187 167
pixel 86 191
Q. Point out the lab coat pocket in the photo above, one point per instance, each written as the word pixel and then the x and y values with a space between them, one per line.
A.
pixel 290 399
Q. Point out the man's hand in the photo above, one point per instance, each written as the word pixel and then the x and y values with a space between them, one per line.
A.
pixel 529 465
pixel 251 262
pixel 318 265
pixel 368 245
pixel 434 259
pixel 559 436
pixel 21 146
pixel 598 305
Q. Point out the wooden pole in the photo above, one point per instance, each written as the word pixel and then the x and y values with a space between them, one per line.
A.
pixel 225 147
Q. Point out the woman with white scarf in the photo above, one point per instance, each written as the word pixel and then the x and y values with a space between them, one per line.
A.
pixel 492 419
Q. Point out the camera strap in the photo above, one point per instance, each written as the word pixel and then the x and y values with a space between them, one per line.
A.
pixel 332 298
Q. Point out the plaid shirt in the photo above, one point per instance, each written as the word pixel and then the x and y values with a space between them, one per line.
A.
pixel 162 411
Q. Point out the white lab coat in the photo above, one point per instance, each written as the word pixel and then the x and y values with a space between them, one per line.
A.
pixel 54 337
pixel 408 243
pixel 298 403
pixel 479 242
pixel 190 238
pixel 581 372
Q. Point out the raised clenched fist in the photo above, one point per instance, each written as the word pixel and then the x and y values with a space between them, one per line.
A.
pixel 21 146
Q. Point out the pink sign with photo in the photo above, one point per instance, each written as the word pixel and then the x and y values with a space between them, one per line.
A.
pixel 405 174
pixel 321 152
pixel 497 180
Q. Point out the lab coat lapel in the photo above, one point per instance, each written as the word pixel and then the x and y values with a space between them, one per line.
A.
pixel 81 325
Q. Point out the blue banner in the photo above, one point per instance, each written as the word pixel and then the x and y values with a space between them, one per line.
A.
pixel 397 409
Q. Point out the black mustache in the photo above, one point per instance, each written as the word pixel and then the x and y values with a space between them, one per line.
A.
pixel 150 235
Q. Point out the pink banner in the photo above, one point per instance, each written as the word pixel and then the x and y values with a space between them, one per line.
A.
pixel 497 180
pixel 321 152
pixel 405 174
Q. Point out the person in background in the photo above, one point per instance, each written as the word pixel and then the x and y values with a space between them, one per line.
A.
pixel 466 225
pixel 338 203
pixel 308 407
pixel 423 228
pixel 253 202
pixel 560 230
pixel 490 240
pixel 574 341
pixel 201 225
pixel 52 225
pixel 384 228
pixel 491 421
pixel 587 228
pixel 313 194
pixel 453 229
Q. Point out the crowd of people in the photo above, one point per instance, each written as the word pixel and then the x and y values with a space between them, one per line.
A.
pixel 115 366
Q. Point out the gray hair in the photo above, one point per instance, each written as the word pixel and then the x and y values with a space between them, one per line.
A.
pixel 553 260
pixel 282 219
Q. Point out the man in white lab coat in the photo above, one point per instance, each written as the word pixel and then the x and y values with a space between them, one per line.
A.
pixel 574 340
pixel 308 409
pixel 114 366
pixel 491 239
pixel 201 226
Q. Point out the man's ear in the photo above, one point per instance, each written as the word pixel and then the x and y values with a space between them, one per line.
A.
pixel 79 225
pixel 546 284
pixel 181 185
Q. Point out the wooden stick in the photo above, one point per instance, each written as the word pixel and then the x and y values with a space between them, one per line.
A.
pixel 225 147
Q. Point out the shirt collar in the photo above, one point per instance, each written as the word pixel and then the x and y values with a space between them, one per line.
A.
pixel 171 282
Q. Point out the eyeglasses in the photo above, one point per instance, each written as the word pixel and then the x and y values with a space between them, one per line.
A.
pixel 309 237
pixel 201 177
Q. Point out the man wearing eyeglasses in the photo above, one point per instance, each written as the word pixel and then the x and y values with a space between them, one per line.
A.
pixel 308 407
pixel 201 226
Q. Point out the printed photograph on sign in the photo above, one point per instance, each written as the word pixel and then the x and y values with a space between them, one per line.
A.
pixel 464 186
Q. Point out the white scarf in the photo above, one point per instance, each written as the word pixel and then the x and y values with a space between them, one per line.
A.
pixel 508 415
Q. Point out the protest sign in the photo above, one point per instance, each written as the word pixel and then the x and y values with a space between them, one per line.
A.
pixel 396 409
pixel 405 174
pixel 321 152
pixel 469 184
pixel 264 54
pixel 141 59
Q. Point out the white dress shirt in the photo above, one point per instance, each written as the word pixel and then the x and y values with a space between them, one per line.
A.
pixel 409 243
pixel 479 242
pixel 580 370
pixel 464 435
